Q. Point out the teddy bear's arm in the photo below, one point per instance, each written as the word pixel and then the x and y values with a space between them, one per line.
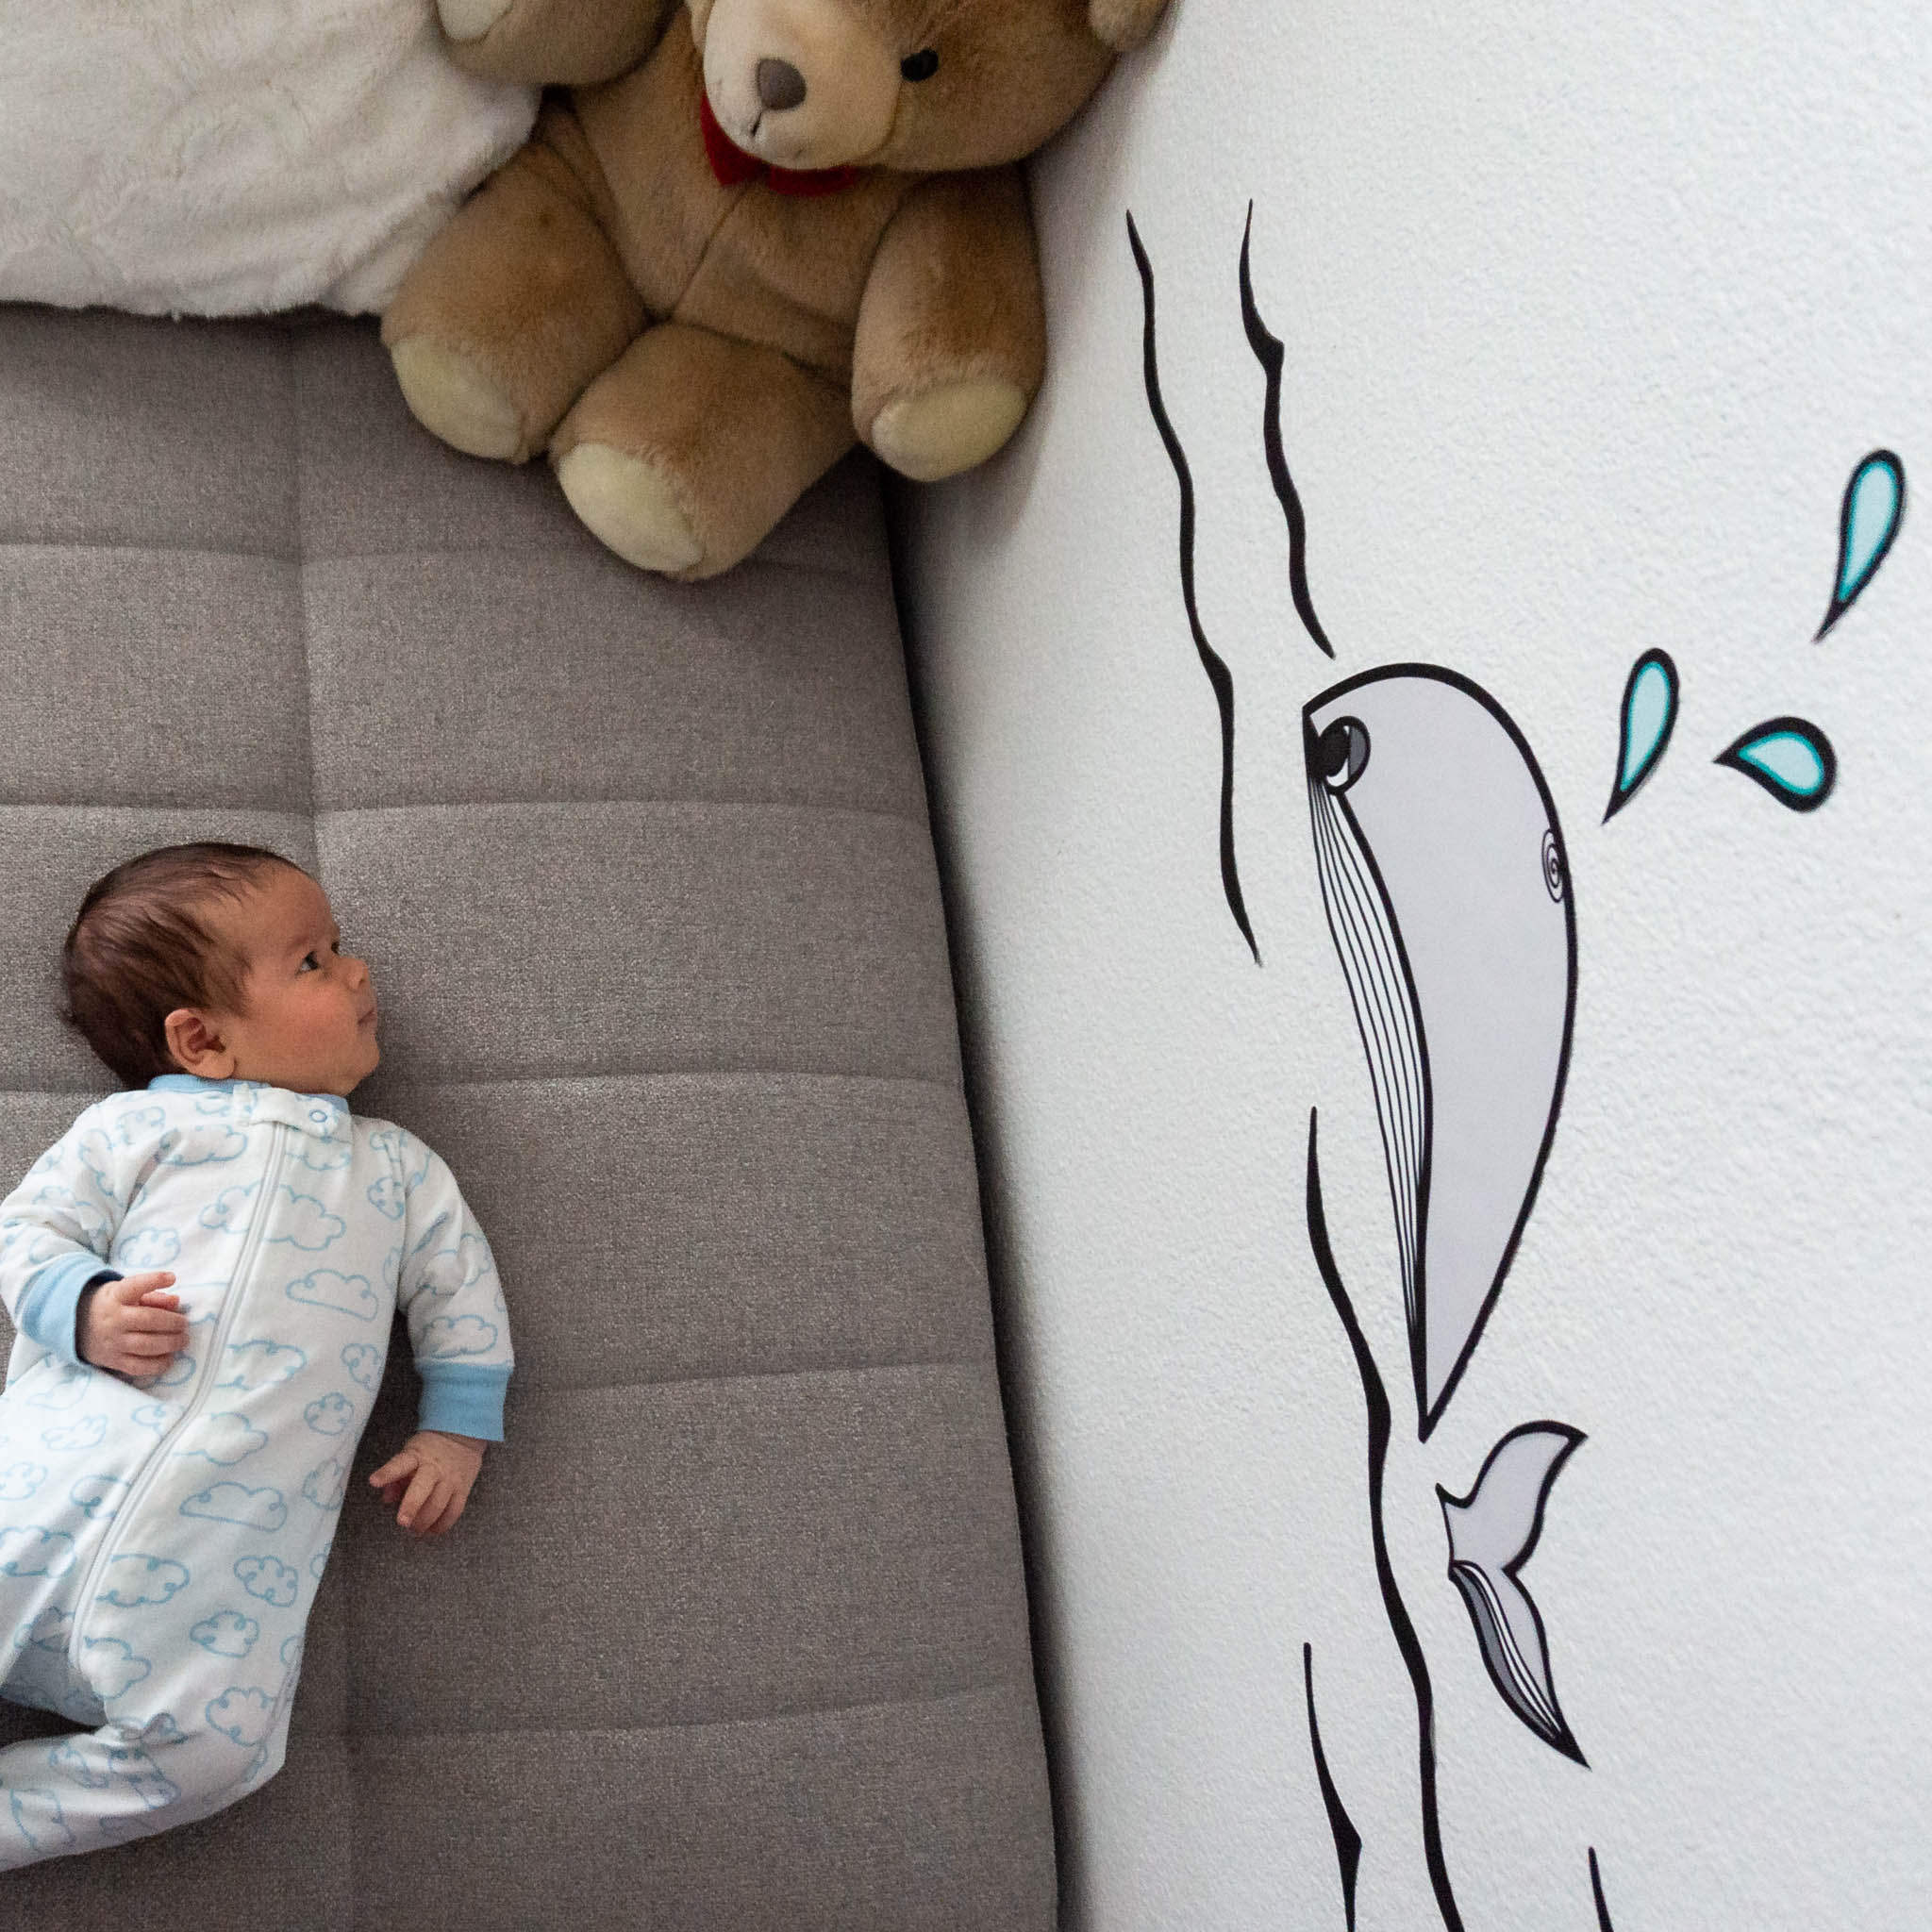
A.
pixel 951 343
pixel 558 41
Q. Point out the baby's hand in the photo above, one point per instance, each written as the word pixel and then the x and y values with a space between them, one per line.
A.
pixel 132 1327
pixel 432 1473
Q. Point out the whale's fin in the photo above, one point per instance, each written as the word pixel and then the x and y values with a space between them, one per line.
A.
pixel 1492 1534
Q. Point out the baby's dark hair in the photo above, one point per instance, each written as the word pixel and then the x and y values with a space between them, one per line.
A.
pixel 139 948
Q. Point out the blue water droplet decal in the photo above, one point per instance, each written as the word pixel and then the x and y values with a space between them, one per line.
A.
pixel 1868 523
pixel 1790 758
pixel 1649 716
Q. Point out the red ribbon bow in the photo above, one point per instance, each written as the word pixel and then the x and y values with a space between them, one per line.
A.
pixel 732 165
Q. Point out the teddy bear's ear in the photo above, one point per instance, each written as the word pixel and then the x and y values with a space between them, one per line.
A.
pixel 1123 23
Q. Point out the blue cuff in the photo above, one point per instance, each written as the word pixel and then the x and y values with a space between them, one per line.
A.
pixel 51 1299
pixel 463 1398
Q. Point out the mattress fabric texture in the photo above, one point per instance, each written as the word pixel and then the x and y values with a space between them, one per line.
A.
pixel 734 1631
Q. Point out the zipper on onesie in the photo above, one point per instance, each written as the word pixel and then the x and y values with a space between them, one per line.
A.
pixel 264 1206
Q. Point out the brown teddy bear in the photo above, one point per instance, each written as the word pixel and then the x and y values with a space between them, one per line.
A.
pixel 748 233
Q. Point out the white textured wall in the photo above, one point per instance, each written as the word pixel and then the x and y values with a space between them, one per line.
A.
pixel 1589 313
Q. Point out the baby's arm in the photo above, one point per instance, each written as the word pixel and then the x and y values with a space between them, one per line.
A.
pixel 55 1229
pixel 460 1329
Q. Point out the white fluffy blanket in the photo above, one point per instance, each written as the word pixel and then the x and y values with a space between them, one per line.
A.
pixel 223 157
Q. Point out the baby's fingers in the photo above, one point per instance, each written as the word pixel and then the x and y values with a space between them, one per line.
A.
pixel 449 1508
pixel 421 1499
pixel 394 1470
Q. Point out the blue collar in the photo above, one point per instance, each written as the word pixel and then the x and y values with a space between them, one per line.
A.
pixel 193 1083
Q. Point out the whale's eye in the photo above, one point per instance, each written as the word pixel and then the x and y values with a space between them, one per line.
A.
pixel 1341 753
pixel 919 66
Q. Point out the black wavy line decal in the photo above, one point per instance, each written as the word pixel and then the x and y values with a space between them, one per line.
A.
pixel 1596 1892
pixel 1218 675
pixel 1376 1398
pixel 1272 354
pixel 1348 1840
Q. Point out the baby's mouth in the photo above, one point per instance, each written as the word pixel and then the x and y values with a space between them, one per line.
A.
pixel 368 1018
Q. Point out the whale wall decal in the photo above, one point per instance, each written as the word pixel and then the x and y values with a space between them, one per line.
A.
pixel 1447 889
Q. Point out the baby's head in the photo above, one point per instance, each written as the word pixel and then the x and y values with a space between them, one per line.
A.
pixel 221 960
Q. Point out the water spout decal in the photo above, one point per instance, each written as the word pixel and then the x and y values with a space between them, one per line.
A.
pixel 1873 506
pixel 1790 758
pixel 1649 716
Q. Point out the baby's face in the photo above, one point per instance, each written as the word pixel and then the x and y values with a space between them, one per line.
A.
pixel 308 1011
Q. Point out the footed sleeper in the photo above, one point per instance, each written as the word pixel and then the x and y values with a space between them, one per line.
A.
pixel 160 1543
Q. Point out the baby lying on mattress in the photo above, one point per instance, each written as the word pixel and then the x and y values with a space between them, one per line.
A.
pixel 203 1273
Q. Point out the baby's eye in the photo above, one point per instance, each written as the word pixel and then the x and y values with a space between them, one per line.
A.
pixel 309 963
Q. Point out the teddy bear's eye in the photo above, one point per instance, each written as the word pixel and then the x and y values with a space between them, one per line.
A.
pixel 919 66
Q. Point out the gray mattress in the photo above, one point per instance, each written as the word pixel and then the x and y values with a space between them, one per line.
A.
pixel 734 1634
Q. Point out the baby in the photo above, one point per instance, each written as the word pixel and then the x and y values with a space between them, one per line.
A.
pixel 203 1273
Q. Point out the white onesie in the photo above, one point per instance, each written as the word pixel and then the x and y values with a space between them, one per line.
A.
pixel 160 1543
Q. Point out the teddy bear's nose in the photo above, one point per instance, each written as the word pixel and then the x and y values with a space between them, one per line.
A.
pixel 780 85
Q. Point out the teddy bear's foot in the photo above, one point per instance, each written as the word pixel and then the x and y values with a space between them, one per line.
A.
pixel 948 428
pixel 628 504
pixel 452 398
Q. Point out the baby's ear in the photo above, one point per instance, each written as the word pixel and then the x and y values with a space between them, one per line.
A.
pixel 197 1046
pixel 1122 24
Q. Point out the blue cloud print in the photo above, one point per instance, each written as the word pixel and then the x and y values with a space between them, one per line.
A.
pixel 98 1497
pixel 63 1388
pixel 38 1817
pixel 204 1147
pixel 275 1582
pixel 229 1208
pixel 155 1415
pixel 324 1483
pixel 95 1153
pixel 319 1562
pixel 329 1287
pixel 306 1223
pixel 261 1508
pixel 111 1666
pixel 324 1154
pixel 147 1247
pixel 227 1633
pixel 251 1365
pixel 19 1480
pixel 69 1762
pixel 35 1553
pixel 49 1631
pixel 243 1715
pixel 329 1415
pixel 459 1335
pixel 387 1197
pixel 86 1434
pixel 363 1361
pixel 64 1204
pixel 133 1580
pixel 177 1371
pixel 225 1437
pixel 144 1777
pixel 291 1650
pixel 138 1122
pixel 461 1267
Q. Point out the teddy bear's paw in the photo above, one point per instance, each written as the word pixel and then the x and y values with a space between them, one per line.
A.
pixel 470 20
pixel 452 398
pixel 628 504
pixel 948 429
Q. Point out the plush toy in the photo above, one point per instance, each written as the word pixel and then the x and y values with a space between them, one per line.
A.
pixel 782 225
